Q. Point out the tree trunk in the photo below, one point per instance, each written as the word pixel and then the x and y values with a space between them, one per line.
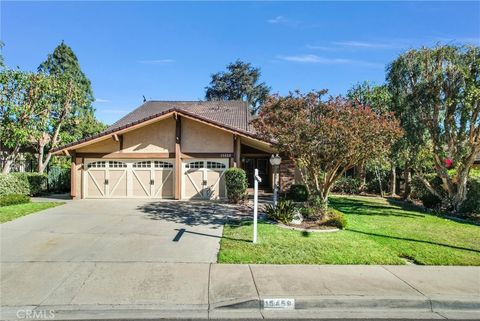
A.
pixel 42 160
pixel 407 176
pixel 10 159
pixel 461 192
pixel 393 187
pixel 379 179
pixel 361 175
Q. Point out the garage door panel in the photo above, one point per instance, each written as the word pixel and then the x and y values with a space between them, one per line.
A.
pixel 163 183
pixel 95 181
pixel 141 183
pixel 117 182
pixel 213 179
pixel 193 184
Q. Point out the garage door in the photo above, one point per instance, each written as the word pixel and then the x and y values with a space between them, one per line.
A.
pixel 204 178
pixel 129 178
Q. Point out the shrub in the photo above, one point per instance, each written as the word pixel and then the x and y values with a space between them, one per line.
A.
pixel 58 179
pixel 420 192
pixel 472 203
pixel 298 193
pixel 347 185
pixel 337 219
pixel 37 183
pixel 236 183
pixel 11 184
pixel 13 199
pixel 283 212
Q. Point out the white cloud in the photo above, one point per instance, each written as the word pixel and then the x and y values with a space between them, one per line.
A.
pixel 365 44
pixel 322 48
pixel 156 61
pixel 278 19
pixel 101 100
pixel 314 59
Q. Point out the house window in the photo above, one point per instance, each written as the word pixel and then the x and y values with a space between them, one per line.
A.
pixel 116 164
pixel 194 165
pixel 99 164
pixel 214 165
pixel 161 164
pixel 143 164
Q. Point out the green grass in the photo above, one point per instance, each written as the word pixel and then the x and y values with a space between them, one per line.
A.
pixel 378 233
pixel 8 213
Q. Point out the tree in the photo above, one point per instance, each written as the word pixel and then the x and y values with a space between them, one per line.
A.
pixel 436 94
pixel 34 109
pixel 325 138
pixel 379 99
pixel 64 62
pixel 239 82
pixel 2 63
pixel 22 101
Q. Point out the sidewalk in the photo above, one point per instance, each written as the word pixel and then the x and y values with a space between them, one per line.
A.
pixel 97 290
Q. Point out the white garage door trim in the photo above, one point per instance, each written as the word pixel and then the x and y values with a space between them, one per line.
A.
pixel 204 186
pixel 132 178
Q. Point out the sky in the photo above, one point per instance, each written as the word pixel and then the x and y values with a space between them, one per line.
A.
pixel 167 51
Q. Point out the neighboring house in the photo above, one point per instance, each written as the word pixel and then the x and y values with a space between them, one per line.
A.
pixel 175 149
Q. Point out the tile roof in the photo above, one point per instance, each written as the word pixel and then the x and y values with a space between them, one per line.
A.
pixel 233 114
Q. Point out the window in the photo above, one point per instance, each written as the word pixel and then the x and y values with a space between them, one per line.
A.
pixel 161 164
pixel 99 164
pixel 194 165
pixel 215 165
pixel 144 164
pixel 116 164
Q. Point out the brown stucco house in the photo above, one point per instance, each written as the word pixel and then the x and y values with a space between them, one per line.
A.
pixel 172 149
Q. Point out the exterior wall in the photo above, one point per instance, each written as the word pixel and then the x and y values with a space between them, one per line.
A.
pixel 202 138
pixel 287 174
pixel 158 137
pixel 105 146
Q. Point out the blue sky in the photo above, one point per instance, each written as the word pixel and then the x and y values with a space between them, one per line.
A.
pixel 167 51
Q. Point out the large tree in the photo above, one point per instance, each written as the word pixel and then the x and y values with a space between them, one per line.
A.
pixel 241 81
pixel 325 137
pixel 436 93
pixel 34 109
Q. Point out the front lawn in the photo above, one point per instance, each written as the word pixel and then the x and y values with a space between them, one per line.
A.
pixel 378 233
pixel 8 213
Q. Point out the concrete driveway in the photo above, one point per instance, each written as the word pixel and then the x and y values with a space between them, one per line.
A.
pixel 117 231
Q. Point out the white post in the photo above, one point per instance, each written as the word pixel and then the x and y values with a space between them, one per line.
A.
pixel 275 185
pixel 255 204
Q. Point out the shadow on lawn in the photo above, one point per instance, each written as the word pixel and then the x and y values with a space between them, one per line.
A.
pixel 413 240
pixel 359 207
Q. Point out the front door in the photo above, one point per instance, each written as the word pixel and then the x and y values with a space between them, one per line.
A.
pixel 262 164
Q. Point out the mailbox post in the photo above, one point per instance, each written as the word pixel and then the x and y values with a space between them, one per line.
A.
pixel 257 179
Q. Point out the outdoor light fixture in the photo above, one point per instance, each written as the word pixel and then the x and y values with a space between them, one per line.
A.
pixel 275 161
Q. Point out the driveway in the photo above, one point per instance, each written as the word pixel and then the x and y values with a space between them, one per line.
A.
pixel 117 231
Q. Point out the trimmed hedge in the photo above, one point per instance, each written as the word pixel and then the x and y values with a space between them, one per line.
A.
pixel 472 203
pixel 37 182
pixel 236 183
pixel 13 199
pixel 12 184
pixel 23 183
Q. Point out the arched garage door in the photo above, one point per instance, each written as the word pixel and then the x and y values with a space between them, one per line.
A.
pixel 128 179
pixel 204 178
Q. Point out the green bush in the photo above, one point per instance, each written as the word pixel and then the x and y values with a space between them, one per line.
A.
pixel 37 183
pixel 58 179
pixel 297 193
pixel 13 199
pixel 420 192
pixel 283 212
pixel 236 183
pixel 347 185
pixel 337 219
pixel 11 184
pixel 472 203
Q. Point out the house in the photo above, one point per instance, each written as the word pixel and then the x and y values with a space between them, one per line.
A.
pixel 172 149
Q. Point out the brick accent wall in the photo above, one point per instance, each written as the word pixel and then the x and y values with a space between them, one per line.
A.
pixel 287 174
